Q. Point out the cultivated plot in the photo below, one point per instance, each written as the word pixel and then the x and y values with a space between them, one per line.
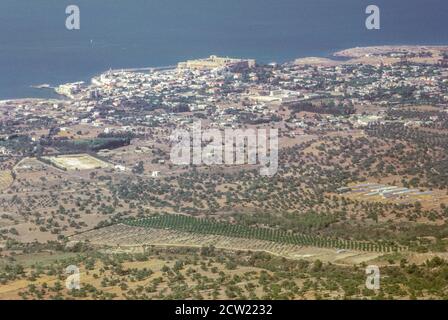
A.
pixel 77 162
pixel 6 180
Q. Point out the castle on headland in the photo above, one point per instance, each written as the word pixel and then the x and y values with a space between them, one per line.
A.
pixel 214 62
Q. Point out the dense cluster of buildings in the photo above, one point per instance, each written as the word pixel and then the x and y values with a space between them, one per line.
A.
pixel 215 62
pixel 234 92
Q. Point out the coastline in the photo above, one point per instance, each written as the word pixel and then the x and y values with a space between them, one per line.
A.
pixel 345 56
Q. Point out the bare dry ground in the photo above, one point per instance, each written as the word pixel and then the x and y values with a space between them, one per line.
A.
pixel 317 61
pixel 6 180
pixel 378 54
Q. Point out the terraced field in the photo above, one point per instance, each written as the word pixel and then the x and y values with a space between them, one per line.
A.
pixel 6 180
pixel 177 230
pixel 212 227
pixel 125 237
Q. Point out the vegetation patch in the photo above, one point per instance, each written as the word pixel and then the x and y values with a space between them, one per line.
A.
pixel 91 145
pixel 209 226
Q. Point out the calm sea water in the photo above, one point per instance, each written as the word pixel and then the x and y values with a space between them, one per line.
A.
pixel 36 48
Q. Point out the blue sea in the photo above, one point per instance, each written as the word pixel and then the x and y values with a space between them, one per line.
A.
pixel 36 48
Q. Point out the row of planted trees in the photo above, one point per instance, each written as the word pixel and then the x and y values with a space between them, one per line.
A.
pixel 213 227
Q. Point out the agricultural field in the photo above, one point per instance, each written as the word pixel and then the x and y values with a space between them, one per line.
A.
pixel 178 230
pixel 209 226
pixel 6 180
pixel 77 162
pixel 125 237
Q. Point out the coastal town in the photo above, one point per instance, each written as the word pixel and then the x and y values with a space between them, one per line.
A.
pixel 362 152
pixel 234 92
